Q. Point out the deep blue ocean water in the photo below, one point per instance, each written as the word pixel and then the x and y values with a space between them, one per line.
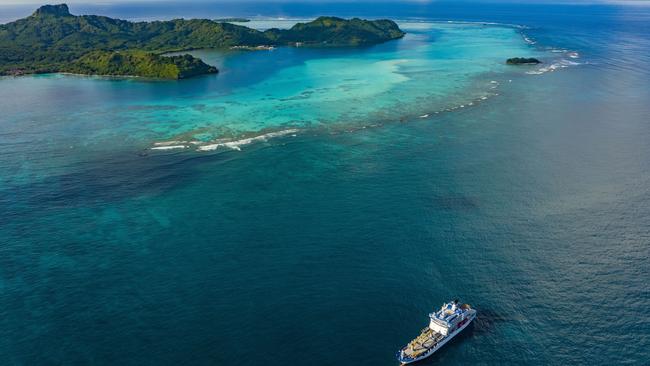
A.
pixel 331 246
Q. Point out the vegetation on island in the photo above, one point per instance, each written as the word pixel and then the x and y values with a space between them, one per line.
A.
pixel 337 32
pixel 523 61
pixel 53 40
pixel 139 63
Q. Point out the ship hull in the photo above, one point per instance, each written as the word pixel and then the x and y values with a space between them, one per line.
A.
pixel 441 343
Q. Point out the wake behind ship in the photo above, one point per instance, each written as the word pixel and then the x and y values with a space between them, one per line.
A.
pixel 444 325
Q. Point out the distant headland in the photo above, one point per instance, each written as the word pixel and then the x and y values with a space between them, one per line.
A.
pixel 53 40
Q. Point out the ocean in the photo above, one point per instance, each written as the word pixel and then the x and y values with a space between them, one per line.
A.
pixel 312 206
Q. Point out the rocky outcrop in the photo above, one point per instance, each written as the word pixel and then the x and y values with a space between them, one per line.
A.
pixel 523 61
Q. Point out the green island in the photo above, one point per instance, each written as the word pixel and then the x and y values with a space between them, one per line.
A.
pixel 140 63
pixel 53 40
pixel 523 61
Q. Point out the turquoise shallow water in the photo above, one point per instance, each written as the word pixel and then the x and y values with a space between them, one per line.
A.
pixel 331 246
pixel 437 66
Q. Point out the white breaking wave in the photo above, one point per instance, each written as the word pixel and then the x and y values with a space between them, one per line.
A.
pixel 236 144
pixel 168 143
pixel 169 147
pixel 529 40
pixel 555 66
pixel 571 54
pixel 172 145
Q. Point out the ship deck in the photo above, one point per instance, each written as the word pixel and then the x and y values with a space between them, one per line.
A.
pixel 424 342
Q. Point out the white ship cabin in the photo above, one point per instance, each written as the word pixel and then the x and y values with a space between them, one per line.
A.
pixel 444 321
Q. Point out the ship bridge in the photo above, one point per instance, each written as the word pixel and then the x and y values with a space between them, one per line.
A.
pixel 445 318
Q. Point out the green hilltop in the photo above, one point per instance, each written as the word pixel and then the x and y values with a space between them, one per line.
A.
pixel 53 40
pixel 140 63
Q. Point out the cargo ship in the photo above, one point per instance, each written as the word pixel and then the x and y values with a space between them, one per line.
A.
pixel 444 325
